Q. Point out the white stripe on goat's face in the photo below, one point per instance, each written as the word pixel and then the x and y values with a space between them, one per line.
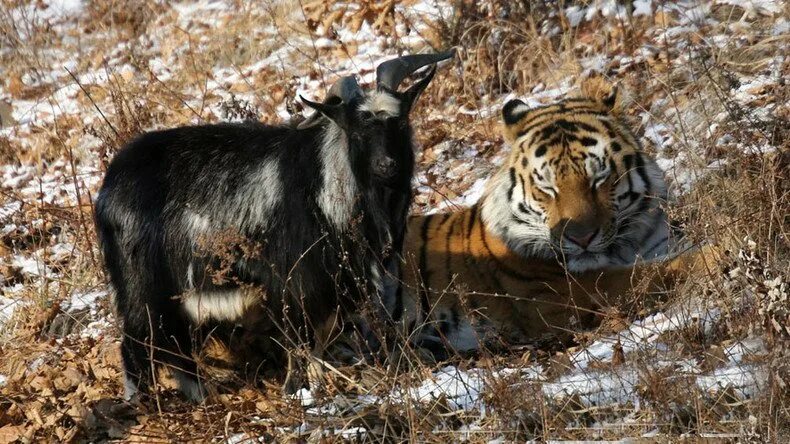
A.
pixel 223 305
pixel 339 188
pixel 382 104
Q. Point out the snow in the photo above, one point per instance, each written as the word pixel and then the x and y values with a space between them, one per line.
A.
pixel 305 397
pixel 460 388
pixel 7 308
pixel 79 301
pixel 744 381
pixel 748 347
pixel 754 8
pixel 645 333
pixel 51 184
pixel 595 388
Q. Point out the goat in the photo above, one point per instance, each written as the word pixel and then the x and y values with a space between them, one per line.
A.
pixel 318 211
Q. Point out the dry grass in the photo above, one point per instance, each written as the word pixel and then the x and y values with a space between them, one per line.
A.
pixel 714 94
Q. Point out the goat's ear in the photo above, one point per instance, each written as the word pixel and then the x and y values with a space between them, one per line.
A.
pixel 334 110
pixel 413 93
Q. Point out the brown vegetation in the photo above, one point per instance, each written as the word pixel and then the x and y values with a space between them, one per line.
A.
pixel 709 97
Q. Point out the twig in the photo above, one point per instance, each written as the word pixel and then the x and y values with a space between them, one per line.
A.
pixel 93 102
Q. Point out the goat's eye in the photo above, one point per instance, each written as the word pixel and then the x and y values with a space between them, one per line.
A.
pixel 366 116
pixel 397 122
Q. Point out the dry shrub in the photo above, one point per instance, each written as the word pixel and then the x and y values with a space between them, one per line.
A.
pixel 129 18
pixel 505 47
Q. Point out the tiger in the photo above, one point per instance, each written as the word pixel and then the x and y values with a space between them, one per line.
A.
pixel 553 239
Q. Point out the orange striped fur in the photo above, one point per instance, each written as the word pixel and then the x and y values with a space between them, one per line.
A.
pixel 553 239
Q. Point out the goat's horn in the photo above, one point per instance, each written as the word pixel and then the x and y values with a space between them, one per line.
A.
pixel 346 89
pixel 392 72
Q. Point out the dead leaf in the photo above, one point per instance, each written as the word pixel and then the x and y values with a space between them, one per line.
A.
pixel 11 433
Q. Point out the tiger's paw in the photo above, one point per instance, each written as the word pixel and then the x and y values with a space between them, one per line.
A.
pixel 702 261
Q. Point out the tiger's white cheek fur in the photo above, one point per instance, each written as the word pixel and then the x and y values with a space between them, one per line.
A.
pixel 499 210
pixel 227 305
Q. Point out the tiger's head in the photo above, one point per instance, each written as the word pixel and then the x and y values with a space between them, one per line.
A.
pixel 576 184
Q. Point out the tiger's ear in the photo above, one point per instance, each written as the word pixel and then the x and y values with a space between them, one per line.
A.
pixel 597 88
pixel 512 114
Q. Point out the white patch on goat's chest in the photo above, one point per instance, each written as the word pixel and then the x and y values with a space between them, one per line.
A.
pixel 226 305
pixel 380 102
pixel 338 188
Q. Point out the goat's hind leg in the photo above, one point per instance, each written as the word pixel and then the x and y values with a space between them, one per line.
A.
pixel 159 342
pixel 177 356
pixel 137 365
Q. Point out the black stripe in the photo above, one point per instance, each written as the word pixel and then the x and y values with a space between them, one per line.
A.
pixel 655 245
pixel 550 123
pixel 527 210
pixel 587 127
pixel 629 164
pixel 444 326
pixel 455 318
pixel 640 169
pixel 448 239
pixel 631 196
pixel 472 219
pixel 512 184
pixel 523 186
pixel 491 254
pixel 589 141
pixel 445 218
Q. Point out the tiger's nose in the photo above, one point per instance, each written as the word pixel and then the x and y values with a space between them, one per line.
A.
pixel 582 239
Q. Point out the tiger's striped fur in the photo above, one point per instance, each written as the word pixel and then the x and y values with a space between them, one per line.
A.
pixel 554 237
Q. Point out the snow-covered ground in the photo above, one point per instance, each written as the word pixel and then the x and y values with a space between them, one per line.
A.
pixel 47 255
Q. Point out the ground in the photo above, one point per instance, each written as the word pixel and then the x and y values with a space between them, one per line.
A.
pixel 708 95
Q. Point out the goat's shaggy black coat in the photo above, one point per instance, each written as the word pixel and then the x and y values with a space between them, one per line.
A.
pixel 167 187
